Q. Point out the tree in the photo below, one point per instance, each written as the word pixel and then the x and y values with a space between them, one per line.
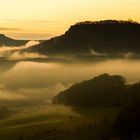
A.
pixel 127 123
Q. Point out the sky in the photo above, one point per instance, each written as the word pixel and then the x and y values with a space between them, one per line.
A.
pixel 43 19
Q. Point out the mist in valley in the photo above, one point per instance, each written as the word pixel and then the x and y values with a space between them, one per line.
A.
pixel 29 81
pixel 25 85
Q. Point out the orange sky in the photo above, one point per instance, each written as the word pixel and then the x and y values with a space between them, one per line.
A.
pixel 41 19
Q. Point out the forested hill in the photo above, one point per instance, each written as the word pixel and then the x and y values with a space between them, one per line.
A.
pixel 102 91
pixel 103 37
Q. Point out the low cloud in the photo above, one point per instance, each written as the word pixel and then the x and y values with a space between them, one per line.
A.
pixel 95 53
pixel 13 48
pixel 129 55
pixel 25 55
pixel 14 53
pixel 42 94
pixel 33 84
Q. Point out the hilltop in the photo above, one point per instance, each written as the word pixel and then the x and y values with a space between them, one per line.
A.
pixel 108 37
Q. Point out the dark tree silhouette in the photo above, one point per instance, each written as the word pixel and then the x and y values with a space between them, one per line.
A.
pixel 127 124
pixel 104 90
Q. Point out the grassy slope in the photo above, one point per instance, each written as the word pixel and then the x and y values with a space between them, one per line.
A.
pixel 35 124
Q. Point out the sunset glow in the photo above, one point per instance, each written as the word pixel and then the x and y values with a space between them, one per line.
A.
pixel 41 19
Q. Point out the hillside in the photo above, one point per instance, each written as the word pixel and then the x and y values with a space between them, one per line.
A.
pixel 109 37
pixel 6 41
pixel 101 91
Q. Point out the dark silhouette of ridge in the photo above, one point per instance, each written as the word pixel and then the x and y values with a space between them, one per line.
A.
pixel 111 37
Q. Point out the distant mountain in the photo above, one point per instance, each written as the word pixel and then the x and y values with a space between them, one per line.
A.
pixel 101 91
pixel 6 41
pixel 94 38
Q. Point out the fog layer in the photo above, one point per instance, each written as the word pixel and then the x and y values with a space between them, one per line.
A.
pixel 35 83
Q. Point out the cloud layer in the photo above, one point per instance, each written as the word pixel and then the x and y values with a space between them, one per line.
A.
pixel 14 53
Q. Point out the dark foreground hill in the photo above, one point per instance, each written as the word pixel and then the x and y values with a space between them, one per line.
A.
pixel 109 37
pixel 101 91
pixel 6 41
